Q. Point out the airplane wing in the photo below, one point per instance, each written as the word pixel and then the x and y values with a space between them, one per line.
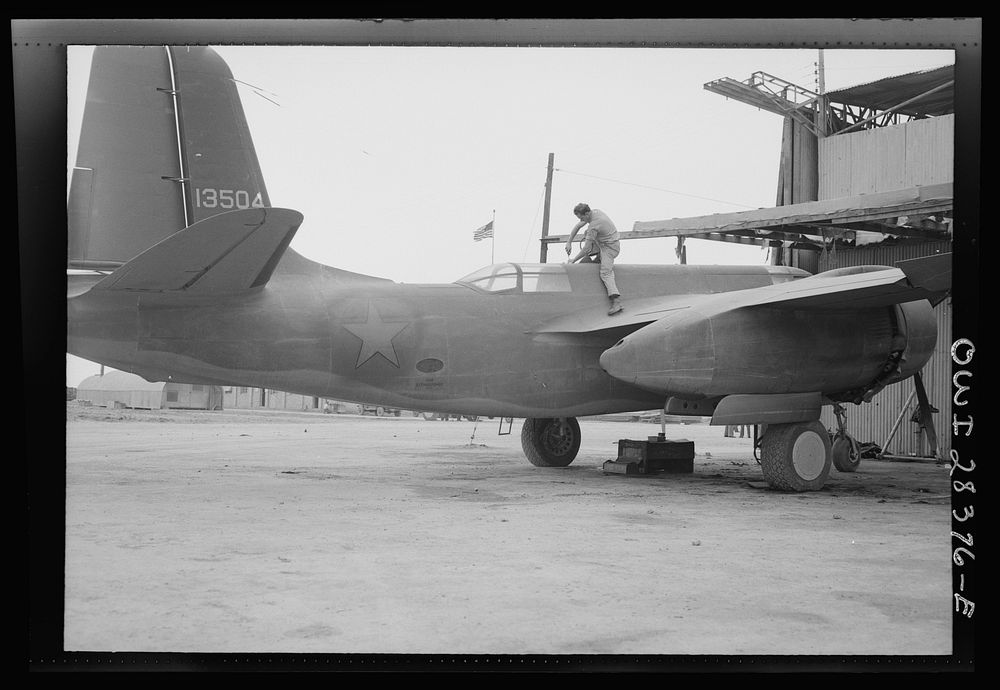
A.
pixel 228 252
pixel 932 273
pixel 638 313
pixel 861 287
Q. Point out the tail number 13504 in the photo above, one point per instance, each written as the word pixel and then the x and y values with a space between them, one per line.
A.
pixel 206 197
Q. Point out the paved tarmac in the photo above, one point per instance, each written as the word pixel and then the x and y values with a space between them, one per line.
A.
pixel 304 532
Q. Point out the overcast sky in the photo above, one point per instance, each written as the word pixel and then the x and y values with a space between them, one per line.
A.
pixel 395 155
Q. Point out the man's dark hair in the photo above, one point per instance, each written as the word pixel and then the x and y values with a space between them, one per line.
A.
pixel 581 208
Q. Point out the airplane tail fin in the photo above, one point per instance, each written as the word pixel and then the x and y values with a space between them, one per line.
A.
pixel 225 253
pixel 164 144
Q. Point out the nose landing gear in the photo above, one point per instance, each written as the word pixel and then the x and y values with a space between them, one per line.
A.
pixel 845 450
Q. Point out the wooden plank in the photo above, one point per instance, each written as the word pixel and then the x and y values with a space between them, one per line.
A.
pixel 736 239
pixel 930 199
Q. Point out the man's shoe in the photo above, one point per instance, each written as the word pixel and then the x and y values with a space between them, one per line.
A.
pixel 616 306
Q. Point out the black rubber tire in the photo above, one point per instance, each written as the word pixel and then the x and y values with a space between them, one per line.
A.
pixel 841 453
pixel 550 442
pixel 796 457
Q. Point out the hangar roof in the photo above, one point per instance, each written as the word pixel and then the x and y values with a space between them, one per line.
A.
pixel 891 91
pixel 905 213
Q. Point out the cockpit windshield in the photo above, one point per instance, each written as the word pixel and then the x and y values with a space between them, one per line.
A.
pixel 519 277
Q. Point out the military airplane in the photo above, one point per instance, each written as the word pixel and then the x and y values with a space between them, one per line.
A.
pixel 197 284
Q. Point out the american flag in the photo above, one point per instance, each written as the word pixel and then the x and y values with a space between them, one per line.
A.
pixel 483 232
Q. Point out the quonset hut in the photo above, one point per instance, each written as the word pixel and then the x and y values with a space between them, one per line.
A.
pixel 122 389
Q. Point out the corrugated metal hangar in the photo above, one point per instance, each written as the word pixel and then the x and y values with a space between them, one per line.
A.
pixel 865 178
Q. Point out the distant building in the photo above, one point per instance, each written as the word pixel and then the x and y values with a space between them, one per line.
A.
pixel 250 398
pixel 122 389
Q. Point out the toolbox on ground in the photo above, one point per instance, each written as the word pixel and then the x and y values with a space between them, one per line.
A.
pixel 655 454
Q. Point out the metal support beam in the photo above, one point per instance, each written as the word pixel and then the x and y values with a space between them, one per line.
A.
pixel 772 94
pixel 937 233
pixel 926 419
pixel 897 107
pixel 733 239
pixel 895 426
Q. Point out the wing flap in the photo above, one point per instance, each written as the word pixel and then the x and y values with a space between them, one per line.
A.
pixel 784 408
pixel 229 252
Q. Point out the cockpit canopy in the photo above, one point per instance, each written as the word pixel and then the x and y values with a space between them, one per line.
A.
pixel 519 277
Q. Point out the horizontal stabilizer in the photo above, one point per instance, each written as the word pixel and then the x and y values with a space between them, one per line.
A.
pixel 229 252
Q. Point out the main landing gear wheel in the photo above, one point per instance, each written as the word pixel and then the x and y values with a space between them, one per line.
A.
pixel 550 442
pixel 796 457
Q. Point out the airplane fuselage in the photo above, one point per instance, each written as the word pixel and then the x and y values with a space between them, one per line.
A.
pixel 443 347
pixel 485 346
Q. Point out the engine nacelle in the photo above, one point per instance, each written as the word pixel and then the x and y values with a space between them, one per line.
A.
pixel 918 324
pixel 768 350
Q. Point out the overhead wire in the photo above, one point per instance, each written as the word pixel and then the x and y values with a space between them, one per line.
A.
pixel 646 186
pixel 259 92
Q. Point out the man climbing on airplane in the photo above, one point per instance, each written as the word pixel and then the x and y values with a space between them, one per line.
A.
pixel 601 240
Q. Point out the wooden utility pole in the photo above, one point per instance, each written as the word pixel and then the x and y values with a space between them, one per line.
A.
pixel 545 212
pixel 821 101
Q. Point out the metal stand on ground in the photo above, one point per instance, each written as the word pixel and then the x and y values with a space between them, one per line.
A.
pixel 924 410
pixel 655 454
pixel 926 420
pixel 895 425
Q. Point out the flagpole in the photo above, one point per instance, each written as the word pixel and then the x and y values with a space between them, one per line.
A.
pixel 493 235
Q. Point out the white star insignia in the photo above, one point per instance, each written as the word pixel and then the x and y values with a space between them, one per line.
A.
pixel 376 337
